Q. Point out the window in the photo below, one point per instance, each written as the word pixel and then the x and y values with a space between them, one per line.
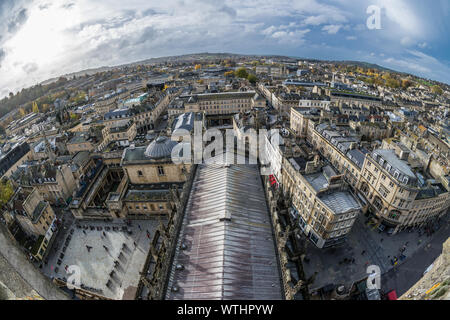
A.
pixel 140 174
pixel 161 170
pixel 383 191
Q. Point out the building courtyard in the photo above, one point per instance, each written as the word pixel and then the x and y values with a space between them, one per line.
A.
pixel 110 256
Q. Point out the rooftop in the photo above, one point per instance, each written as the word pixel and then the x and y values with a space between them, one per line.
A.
pixel 321 180
pixel 230 250
pixel 392 159
pixel 38 210
pixel 340 201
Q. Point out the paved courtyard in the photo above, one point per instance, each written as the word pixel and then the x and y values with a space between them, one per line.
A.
pixel 110 261
pixel 365 246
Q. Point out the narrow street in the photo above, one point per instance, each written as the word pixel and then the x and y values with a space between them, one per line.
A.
pixel 407 274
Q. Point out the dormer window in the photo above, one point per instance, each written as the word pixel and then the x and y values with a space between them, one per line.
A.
pixel 405 180
pixel 396 174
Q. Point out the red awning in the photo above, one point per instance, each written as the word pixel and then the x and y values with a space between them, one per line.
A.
pixel 392 295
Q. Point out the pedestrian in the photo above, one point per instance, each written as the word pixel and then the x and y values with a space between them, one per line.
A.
pixel 362 253
pixel 381 240
pixel 139 227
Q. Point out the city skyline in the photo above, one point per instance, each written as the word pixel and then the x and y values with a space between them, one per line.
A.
pixel 80 34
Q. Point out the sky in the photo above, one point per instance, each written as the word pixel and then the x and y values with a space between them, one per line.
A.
pixel 43 39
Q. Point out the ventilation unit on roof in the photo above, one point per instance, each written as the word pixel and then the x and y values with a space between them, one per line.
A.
pixel 226 217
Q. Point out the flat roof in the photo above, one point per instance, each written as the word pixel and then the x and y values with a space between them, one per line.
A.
pixel 340 201
pixel 317 180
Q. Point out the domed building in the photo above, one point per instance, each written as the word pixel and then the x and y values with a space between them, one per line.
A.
pixel 153 164
pixel 160 148
pixel 150 174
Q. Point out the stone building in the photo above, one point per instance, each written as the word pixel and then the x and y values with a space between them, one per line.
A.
pixel 399 195
pixel 120 132
pixel 55 183
pixel 35 215
pixel 301 119
pixel 224 102
pixel 322 203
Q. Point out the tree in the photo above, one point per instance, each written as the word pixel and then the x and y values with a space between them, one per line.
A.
pixel 241 73
pixel 197 66
pixel 392 83
pixel 229 74
pixel 252 78
pixel 73 116
pixel 406 83
pixel 436 90
pixel 35 108
pixel 6 191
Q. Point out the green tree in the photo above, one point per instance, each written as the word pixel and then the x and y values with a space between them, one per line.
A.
pixel 6 191
pixel 241 73
pixel 252 78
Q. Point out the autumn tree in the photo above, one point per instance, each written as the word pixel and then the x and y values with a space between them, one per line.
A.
pixel 35 107
pixel 406 83
pixel 436 90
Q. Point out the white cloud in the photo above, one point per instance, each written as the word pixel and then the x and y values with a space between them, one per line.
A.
pixel 407 41
pixel 332 28
pixel 284 34
pixel 54 40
